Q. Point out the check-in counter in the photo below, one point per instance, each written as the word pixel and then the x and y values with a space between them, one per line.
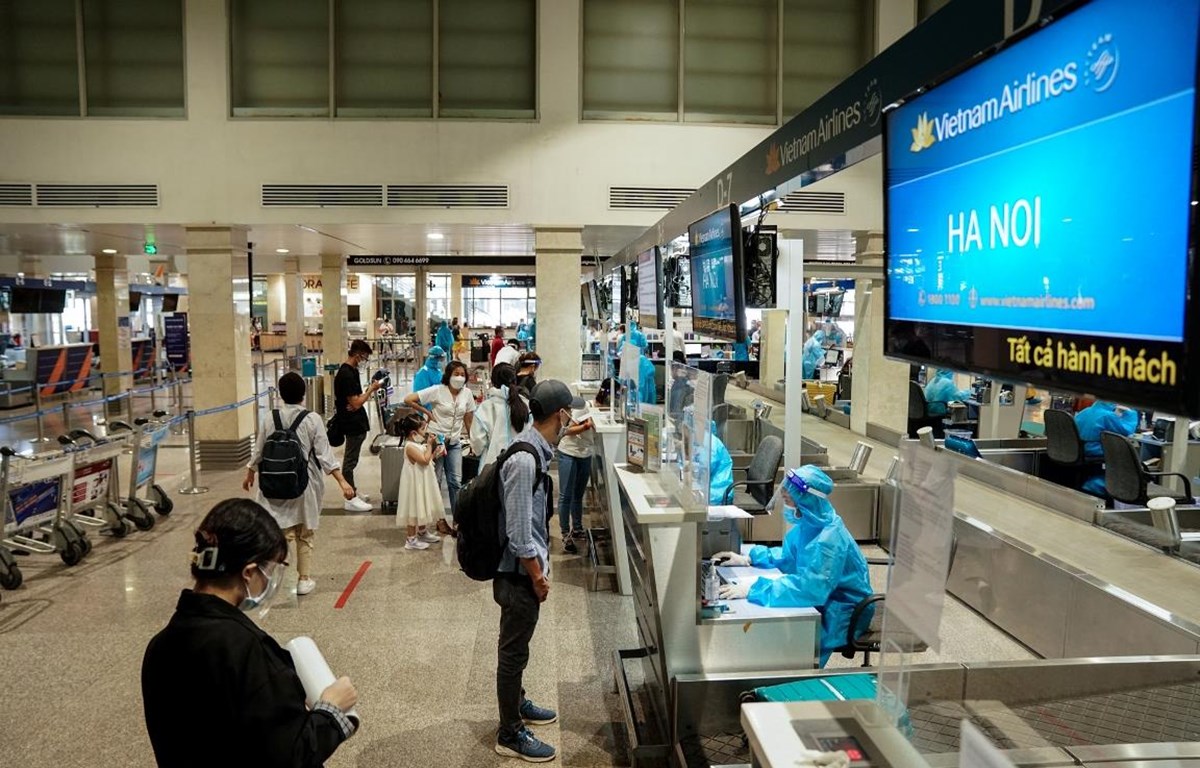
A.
pixel 747 641
pixel 610 451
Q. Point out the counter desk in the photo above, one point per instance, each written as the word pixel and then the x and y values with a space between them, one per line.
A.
pixel 678 646
pixel 610 450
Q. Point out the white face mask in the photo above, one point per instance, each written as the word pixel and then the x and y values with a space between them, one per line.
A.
pixel 562 428
pixel 458 381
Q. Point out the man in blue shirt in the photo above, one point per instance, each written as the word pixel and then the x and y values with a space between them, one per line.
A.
pixel 522 582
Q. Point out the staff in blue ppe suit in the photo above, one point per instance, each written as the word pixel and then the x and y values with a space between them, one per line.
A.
pixel 1099 417
pixel 430 374
pixel 814 354
pixel 720 465
pixel 822 565
pixel 941 390
pixel 445 339
pixel 647 388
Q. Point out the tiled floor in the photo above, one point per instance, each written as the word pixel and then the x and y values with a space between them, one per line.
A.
pixel 416 636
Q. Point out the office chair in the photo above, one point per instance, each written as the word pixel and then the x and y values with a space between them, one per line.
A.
pixel 719 385
pixel 1065 448
pixel 1127 479
pixel 760 477
pixel 918 413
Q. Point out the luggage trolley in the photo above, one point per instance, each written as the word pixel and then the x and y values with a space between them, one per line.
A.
pixel 37 512
pixel 147 435
pixel 95 494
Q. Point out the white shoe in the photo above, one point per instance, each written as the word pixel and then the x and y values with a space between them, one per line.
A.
pixel 414 543
pixel 305 586
pixel 431 538
pixel 356 505
pixel 364 497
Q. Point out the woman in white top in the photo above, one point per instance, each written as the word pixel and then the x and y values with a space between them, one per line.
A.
pixel 500 417
pixel 299 517
pixel 574 470
pixel 451 408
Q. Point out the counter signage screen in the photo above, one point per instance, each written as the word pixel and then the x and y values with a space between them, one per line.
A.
pixel 1039 208
pixel 714 248
pixel 649 288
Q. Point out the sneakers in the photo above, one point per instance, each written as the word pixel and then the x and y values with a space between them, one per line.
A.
pixel 428 538
pixel 364 497
pixel 446 529
pixel 356 505
pixel 569 545
pixel 305 586
pixel 415 543
pixel 532 714
pixel 524 745
pixel 579 533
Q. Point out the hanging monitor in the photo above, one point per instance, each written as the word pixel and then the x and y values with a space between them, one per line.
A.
pixel 649 289
pixel 1039 209
pixel 715 251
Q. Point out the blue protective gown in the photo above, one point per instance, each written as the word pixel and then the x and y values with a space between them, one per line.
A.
pixel 429 375
pixel 822 566
pixel 720 472
pixel 814 354
pixel 445 337
pixel 1099 417
pixel 647 388
pixel 941 391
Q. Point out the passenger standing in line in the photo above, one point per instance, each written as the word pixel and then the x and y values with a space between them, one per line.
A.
pixel 509 353
pixel 299 517
pixel 419 499
pixel 522 582
pixel 574 470
pixel 527 367
pixel 450 407
pixel 501 416
pixel 497 345
pixel 348 400
pixel 216 689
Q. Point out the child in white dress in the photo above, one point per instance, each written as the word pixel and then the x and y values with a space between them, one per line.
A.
pixel 419 500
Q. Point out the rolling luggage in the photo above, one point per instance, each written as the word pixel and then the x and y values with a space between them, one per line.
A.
pixel 391 462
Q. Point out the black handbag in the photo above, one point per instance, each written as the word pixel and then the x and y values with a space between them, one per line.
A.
pixel 333 430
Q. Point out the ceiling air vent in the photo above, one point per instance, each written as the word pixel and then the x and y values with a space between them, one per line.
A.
pixel 646 198
pixel 322 195
pixel 814 202
pixel 447 196
pixel 16 195
pixel 97 195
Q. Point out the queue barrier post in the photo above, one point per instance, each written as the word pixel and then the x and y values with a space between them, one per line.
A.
pixel 193 488
pixel 37 405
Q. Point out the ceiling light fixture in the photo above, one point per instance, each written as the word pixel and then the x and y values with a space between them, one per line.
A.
pixel 282 250
pixel 109 250
pixel 435 236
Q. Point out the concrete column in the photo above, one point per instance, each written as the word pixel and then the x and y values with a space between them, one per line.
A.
pixel 293 300
pixel 422 309
pixel 333 275
pixel 456 297
pixel 276 300
pixel 366 299
pixel 559 267
pixel 113 322
pixel 880 396
pixel 220 321
pixel 893 20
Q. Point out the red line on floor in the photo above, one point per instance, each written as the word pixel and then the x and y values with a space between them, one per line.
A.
pixel 362 569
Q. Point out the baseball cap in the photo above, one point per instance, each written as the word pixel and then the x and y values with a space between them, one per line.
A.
pixel 550 396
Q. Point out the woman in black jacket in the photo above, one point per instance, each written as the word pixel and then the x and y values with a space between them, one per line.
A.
pixel 217 689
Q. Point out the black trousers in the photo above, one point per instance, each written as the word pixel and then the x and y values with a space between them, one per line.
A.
pixel 350 457
pixel 519 610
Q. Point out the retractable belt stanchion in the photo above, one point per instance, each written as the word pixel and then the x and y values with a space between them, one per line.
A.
pixel 66 409
pixel 37 405
pixel 193 488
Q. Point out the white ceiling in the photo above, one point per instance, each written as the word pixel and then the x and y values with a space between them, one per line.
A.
pixel 365 239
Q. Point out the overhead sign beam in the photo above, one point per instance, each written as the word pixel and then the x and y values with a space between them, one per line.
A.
pixel 826 137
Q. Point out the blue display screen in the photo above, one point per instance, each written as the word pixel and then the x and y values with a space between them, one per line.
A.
pixel 713 247
pixel 1046 193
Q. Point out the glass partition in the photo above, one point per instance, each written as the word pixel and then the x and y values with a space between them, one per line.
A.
pixel 687 436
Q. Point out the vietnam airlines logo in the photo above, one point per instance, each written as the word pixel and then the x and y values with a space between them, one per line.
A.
pixel 922 134
pixel 773 163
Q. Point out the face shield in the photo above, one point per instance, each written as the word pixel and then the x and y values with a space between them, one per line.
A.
pixel 260 604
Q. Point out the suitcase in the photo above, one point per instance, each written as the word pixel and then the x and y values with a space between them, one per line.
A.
pixel 470 468
pixel 391 463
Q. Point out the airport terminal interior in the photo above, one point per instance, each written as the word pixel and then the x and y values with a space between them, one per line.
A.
pixel 863 402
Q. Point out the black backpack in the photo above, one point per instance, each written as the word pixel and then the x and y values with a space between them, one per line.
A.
pixel 481 542
pixel 283 469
